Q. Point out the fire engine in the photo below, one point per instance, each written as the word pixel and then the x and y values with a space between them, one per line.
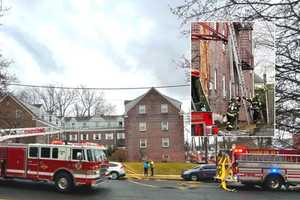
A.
pixel 267 167
pixel 67 165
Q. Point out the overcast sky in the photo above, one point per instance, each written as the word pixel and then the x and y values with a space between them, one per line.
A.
pixel 96 43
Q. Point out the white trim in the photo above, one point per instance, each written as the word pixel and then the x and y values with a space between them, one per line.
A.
pixel 86 176
pixel 46 173
pixel 32 172
pixel 15 171
pixel 145 141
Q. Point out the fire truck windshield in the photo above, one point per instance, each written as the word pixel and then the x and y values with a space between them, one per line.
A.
pixel 96 155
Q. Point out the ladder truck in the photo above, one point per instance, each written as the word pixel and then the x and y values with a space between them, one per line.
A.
pixel 65 165
pixel 266 167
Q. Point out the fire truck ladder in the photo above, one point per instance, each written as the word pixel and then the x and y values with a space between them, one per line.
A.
pixel 238 65
pixel 7 134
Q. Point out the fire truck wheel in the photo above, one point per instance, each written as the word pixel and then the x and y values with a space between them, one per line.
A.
pixel 194 177
pixel 273 182
pixel 63 182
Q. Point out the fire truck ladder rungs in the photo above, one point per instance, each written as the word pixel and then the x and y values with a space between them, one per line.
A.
pixel 8 137
pixel 238 66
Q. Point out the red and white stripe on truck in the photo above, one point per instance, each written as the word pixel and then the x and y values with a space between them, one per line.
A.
pixel 65 165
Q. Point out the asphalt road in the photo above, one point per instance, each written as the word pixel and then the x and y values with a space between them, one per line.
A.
pixel 139 190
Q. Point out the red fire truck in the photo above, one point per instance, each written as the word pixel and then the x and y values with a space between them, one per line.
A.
pixel 67 165
pixel 270 168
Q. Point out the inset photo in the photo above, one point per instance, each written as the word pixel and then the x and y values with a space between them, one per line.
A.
pixel 232 78
pixel 244 162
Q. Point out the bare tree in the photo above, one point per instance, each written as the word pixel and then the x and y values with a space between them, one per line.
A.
pixel 64 99
pixel 91 102
pixel 29 95
pixel 285 15
pixel 5 76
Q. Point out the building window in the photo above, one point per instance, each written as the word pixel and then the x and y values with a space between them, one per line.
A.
pixel 224 86
pixel 109 136
pixel 120 136
pixel 97 136
pixel 73 125
pixel 143 143
pixel 142 109
pixel 142 126
pixel 50 118
pixel 84 124
pixel 120 124
pixel 84 136
pixel 164 108
pixel 73 137
pixel 164 125
pixel 165 142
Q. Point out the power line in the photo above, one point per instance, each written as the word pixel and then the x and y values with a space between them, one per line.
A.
pixel 95 88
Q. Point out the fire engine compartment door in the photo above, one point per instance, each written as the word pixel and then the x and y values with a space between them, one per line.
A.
pixel 16 161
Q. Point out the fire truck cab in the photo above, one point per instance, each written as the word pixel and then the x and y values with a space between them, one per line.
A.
pixel 67 165
pixel 270 168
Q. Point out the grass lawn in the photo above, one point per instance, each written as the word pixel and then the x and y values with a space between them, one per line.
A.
pixel 171 168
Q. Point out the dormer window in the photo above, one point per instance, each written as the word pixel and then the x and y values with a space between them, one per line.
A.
pixel 142 109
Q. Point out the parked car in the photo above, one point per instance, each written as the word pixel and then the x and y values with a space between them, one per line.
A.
pixel 116 170
pixel 201 172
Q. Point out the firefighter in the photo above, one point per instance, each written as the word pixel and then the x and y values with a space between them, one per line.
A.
pixel 256 107
pixel 233 113
pixel 224 170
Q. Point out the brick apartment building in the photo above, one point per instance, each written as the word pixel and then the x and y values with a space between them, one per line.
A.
pixel 104 130
pixel 213 59
pixel 15 113
pixel 154 128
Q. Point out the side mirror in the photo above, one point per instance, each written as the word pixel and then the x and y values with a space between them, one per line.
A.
pixel 79 156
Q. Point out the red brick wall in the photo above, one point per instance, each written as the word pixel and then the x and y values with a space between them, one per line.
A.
pixel 8 119
pixel 154 134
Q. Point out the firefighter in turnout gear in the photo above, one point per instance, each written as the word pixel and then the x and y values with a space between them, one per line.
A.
pixel 224 170
pixel 233 113
pixel 256 108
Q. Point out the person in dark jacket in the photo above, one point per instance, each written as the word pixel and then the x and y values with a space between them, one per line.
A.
pixel 152 167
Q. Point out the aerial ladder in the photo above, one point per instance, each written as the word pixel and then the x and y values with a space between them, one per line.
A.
pixel 238 66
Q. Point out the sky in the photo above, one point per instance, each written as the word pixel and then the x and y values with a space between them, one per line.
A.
pixel 97 43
